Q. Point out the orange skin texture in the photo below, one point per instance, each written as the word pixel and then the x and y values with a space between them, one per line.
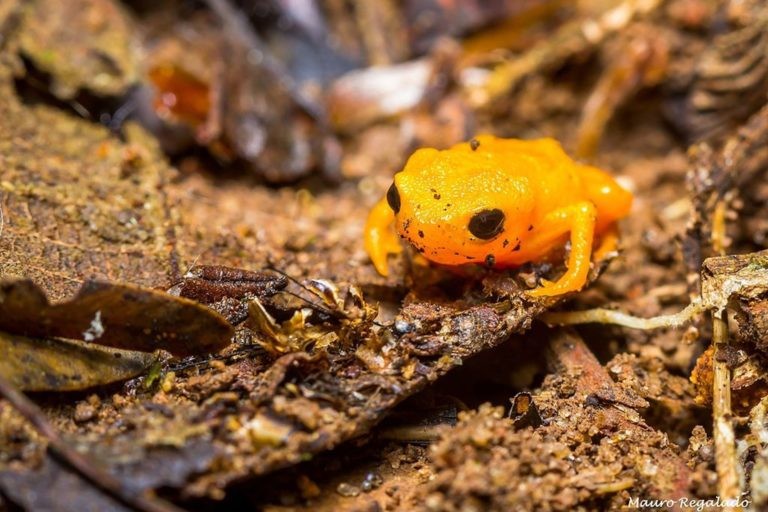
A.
pixel 545 196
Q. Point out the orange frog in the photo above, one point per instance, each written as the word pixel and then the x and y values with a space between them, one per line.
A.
pixel 501 203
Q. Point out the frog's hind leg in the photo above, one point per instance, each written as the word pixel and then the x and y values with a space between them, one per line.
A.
pixel 609 242
pixel 611 199
pixel 380 237
pixel 579 220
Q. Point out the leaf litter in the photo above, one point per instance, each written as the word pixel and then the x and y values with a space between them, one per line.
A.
pixel 115 315
pixel 35 364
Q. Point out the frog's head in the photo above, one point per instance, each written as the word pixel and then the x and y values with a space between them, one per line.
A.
pixel 457 206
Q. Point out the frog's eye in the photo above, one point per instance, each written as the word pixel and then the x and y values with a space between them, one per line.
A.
pixel 486 224
pixel 393 198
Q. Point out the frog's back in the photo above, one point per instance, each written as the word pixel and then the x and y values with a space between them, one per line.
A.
pixel 560 179
pixel 554 180
pixel 552 175
pixel 546 152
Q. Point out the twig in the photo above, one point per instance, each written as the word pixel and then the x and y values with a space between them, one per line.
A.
pixel 724 437
pixel 77 461
pixel 609 316
pixel 725 441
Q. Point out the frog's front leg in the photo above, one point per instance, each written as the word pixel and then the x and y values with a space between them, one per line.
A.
pixel 579 220
pixel 380 237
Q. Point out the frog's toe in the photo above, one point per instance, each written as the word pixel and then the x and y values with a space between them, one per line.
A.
pixel 552 289
pixel 379 254
pixel 380 263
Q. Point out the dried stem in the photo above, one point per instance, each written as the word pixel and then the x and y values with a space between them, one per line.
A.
pixel 725 441
pixel 725 445
pixel 77 461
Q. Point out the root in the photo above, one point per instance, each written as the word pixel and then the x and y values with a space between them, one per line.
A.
pixel 612 317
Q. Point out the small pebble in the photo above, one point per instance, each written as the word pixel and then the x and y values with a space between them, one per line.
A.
pixel 402 327
pixel 372 481
pixel 84 412
pixel 348 490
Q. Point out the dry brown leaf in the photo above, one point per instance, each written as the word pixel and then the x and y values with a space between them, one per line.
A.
pixel 116 315
pixel 66 365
